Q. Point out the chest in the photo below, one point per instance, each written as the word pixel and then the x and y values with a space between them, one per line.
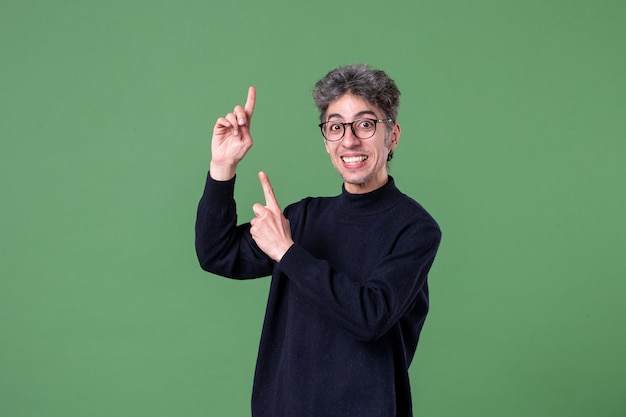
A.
pixel 354 245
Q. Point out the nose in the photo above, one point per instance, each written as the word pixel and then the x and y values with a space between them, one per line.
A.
pixel 349 139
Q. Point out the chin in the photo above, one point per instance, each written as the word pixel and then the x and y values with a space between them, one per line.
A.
pixel 356 179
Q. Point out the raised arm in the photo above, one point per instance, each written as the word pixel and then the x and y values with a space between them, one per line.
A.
pixel 222 246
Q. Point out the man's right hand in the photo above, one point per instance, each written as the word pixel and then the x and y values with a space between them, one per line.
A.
pixel 231 139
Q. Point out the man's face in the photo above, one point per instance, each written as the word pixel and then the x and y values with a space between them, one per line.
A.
pixel 362 163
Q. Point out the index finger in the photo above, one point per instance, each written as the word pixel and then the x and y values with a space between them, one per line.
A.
pixel 268 191
pixel 250 102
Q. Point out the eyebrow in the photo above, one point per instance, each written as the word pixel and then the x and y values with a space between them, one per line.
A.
pixel 359 114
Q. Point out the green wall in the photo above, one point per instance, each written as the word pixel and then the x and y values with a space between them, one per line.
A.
pixel 513 117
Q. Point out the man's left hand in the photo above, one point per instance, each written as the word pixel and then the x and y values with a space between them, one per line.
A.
pixel 270 229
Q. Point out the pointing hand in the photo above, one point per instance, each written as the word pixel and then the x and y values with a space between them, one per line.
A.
pixel 270 229
pixel 231 139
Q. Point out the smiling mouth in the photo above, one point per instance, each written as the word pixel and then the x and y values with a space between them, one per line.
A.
pixel 353 160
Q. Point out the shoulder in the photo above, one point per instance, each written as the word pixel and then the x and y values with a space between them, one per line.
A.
pixel 414 216
pixel 412 206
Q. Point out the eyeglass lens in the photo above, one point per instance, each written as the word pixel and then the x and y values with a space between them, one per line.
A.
pixel 361 128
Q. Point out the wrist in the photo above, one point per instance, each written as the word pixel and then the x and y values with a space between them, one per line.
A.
pixel 282 253
pixel 222 172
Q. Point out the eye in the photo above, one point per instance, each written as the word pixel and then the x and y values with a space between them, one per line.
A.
pixel 365 124
pixel 334 127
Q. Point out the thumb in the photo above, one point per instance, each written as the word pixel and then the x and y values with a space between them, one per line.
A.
pixel 258 209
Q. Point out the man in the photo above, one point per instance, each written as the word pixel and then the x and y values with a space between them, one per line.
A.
pixel 349 294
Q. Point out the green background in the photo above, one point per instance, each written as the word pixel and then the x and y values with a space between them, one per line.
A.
pixel 513 118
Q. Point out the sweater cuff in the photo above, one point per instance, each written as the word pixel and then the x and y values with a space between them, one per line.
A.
pixel 295 259
pixel 217 189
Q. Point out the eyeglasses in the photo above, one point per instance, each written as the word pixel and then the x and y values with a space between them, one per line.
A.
pixel 333 131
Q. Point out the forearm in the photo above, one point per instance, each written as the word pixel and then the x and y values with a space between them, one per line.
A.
pixel 223 247
pixel 367 305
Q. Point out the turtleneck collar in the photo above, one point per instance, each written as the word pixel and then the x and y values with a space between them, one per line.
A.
pixel 373 202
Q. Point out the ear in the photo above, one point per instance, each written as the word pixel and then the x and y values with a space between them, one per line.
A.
pixel 394 137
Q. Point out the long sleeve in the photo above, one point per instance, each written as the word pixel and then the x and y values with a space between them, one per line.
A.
pixel 222 246
pixel 368 302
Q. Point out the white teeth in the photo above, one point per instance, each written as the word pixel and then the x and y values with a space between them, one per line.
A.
pixel 353 159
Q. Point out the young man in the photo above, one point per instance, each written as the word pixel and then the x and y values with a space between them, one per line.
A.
pixel 349 294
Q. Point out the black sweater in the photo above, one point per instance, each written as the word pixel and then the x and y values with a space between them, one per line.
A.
pixel 347 301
